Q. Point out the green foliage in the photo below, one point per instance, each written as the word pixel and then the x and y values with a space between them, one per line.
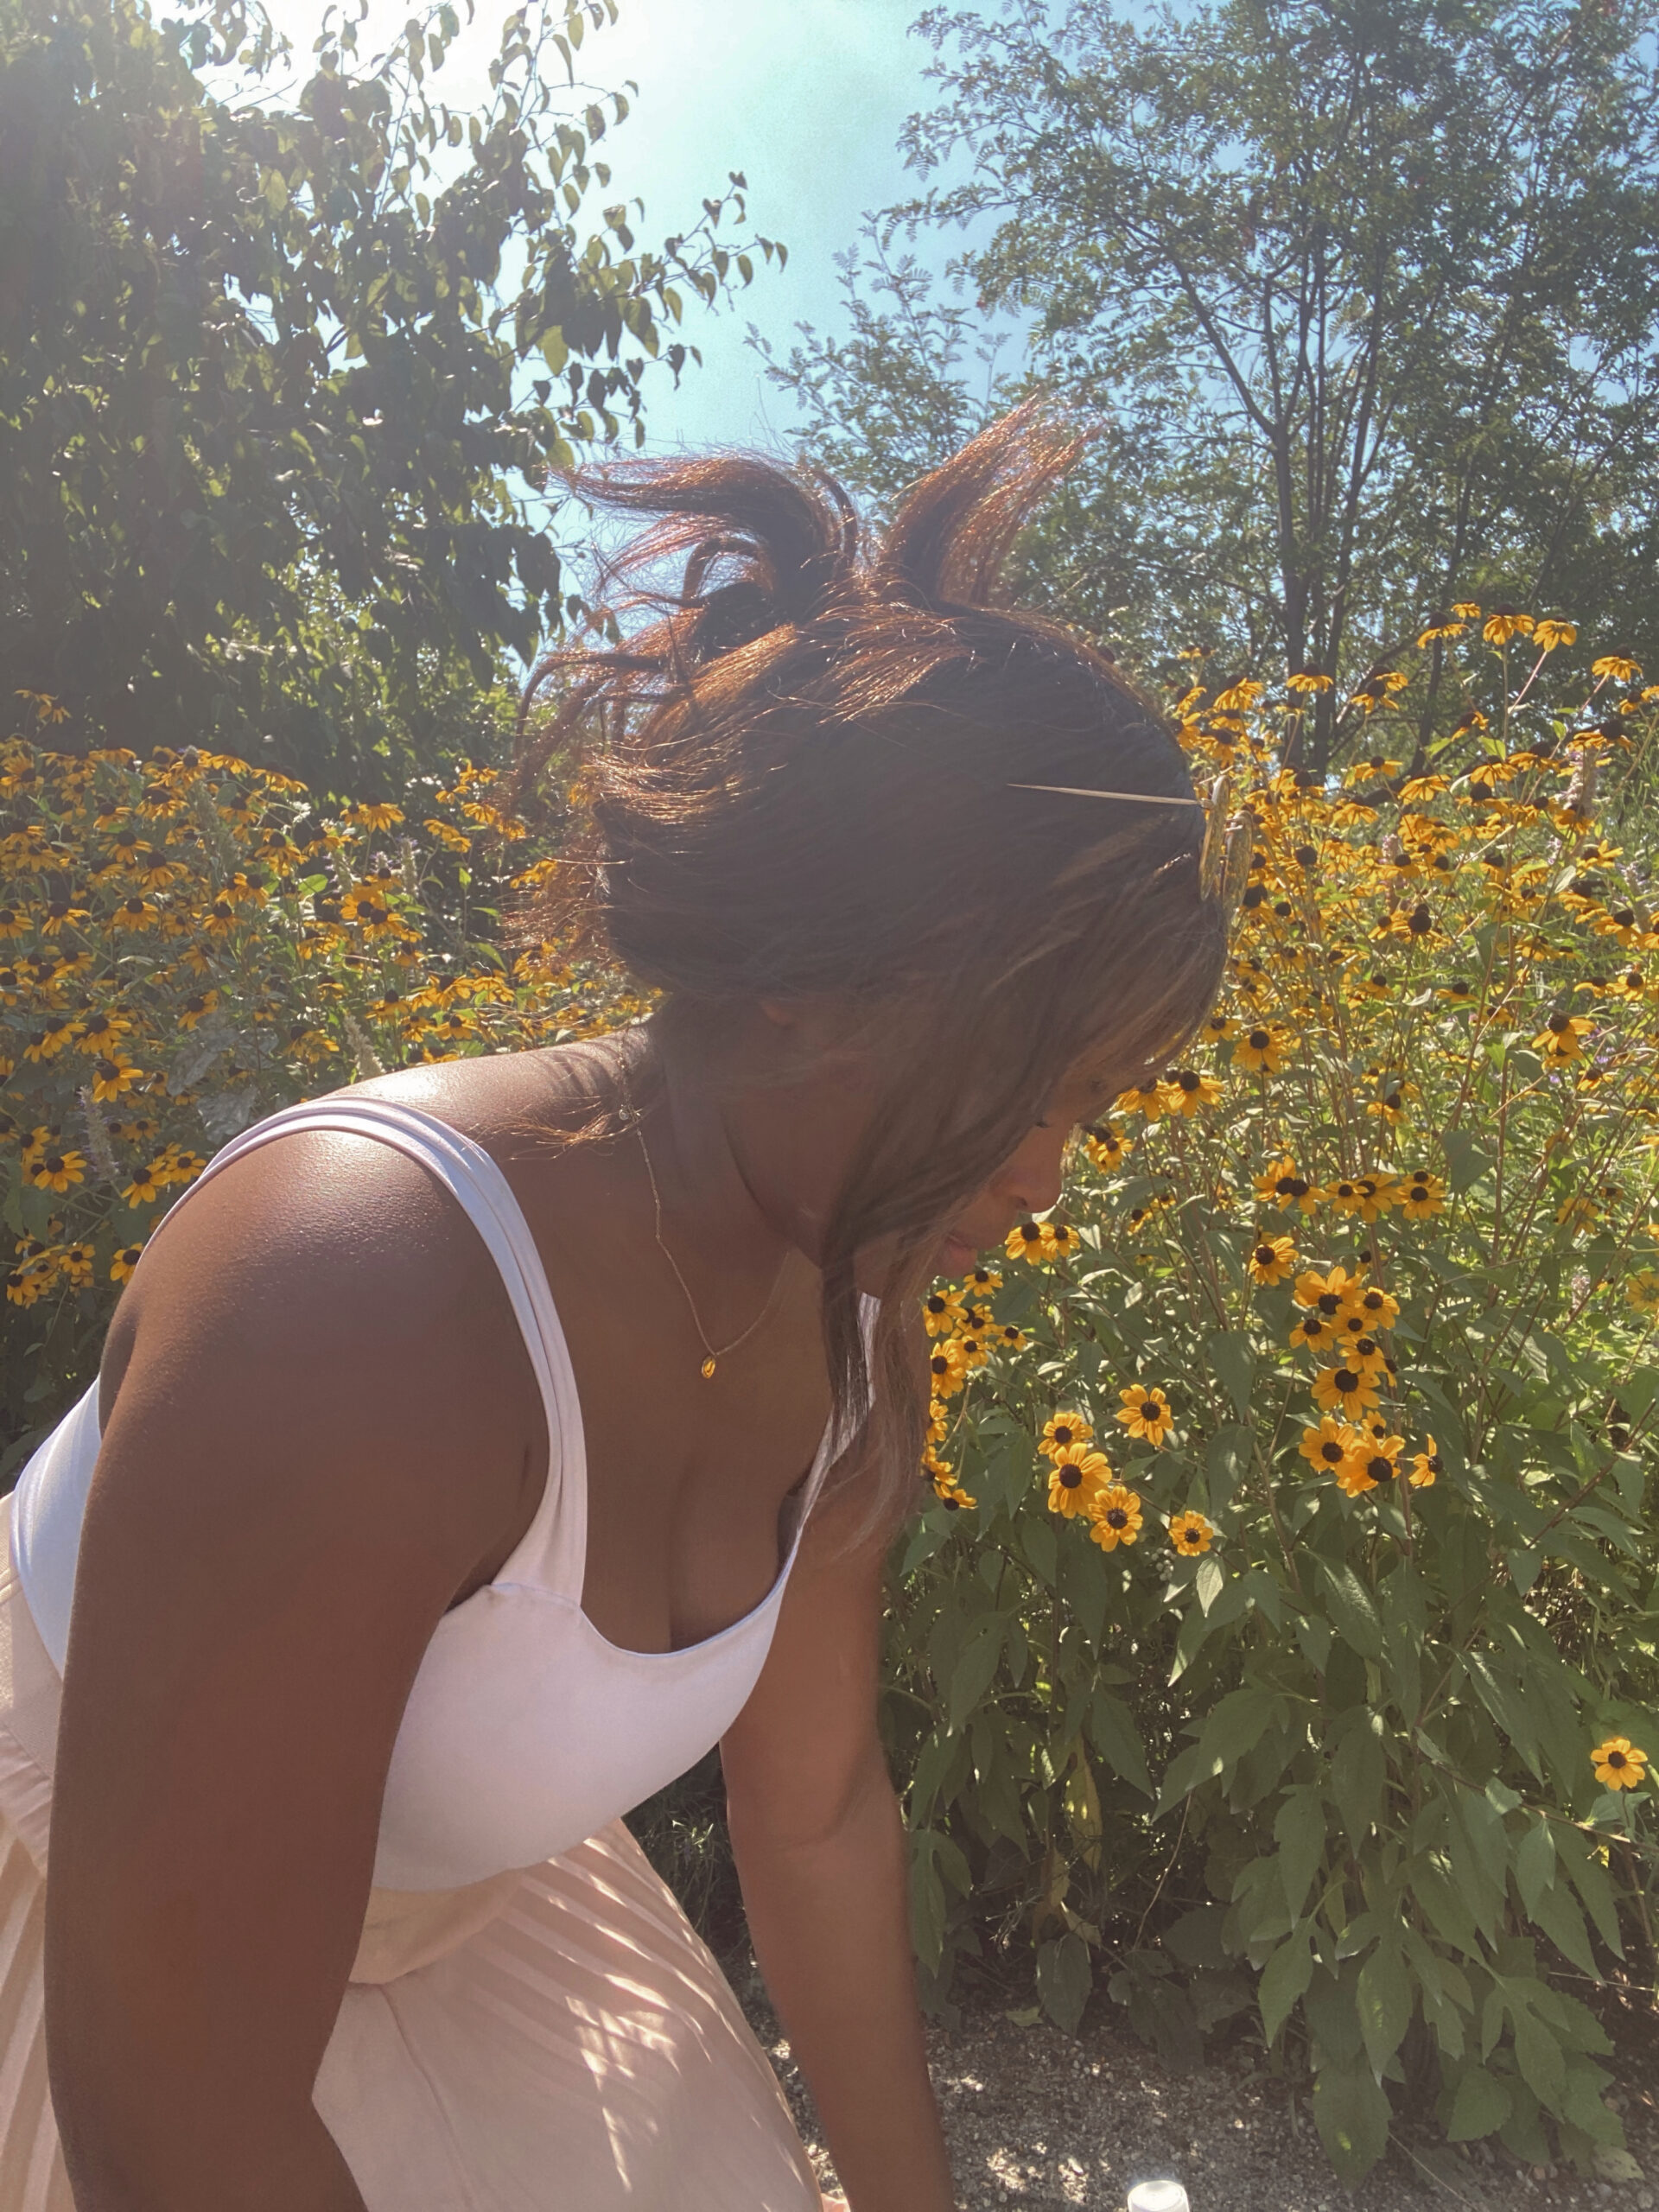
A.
pixel 188 944
pixel 1360 300
pixel 282 386
pixel 1308 1732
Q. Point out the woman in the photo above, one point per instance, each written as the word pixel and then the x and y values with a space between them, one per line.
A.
pixel 444 1494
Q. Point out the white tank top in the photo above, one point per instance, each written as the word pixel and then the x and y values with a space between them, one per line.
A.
pixel 526 1732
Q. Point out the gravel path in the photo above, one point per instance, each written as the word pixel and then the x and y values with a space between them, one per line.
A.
pixel 1038 2119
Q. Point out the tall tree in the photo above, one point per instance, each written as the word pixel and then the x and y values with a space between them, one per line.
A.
pixel 1363 291
pixel 270 447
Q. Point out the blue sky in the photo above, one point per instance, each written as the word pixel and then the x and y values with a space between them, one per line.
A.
pixel 806 98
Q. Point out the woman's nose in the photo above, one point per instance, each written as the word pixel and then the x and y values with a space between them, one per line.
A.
pixel 1030 1183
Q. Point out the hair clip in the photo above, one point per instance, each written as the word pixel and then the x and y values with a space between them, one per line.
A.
pixel 1225 857
pixel 1135 799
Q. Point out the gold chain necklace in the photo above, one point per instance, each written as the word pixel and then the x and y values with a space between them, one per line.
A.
pixel 712 1353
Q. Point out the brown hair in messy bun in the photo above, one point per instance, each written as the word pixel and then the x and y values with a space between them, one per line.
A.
pixel 797 779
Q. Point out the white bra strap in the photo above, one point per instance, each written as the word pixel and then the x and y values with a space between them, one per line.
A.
pixel 555 1541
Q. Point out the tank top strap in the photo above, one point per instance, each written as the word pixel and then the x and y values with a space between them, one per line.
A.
pixel 551 1552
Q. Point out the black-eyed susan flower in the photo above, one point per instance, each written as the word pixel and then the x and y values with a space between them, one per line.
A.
pixel 60 914
pixel 1426 1467
pixel 1549 634
pixel 1264 1048
pixel 113 1076
pixel 1504 623
pixel 1328 1292
pixel 1326 1447
pixel 1076 1475
pixel 941 1313
pixel 947 1367
pixel 1281 1184
pixel 1616 668
pixel 1394 1105
pixel 1369 1197
pixel 1144 1413
pixel 1115 1517
pixel 1420 1196
pixel 1642 1290
pixel 1354 1475
pixel 1346 1390
pixel 1373 1307
pixel 1191 1533
pixel 14 922
pixel 1008 1337
pixel 1107 1147
pixel 1313 1333
pixel 1562 1037
pixel 1365 1354
pixel 1063 1240
pixel 1148 1099
pixel 1272 1259
pixel 377 814
pixel 27 1284
pixel 1305 681
pixel 58 1171
pixel 1031 1241
pixel 981 1281
pixel 1062 1431
pixel 1378 1457
pixel 954 1498
pixel 1618 1764
pixel 126 1259
pixel 1187 1092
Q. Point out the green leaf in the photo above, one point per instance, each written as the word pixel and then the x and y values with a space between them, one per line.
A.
pixel 1535 1864
pixel 1298 1831
pixel 1466 1162
pixel 1112 1732
pixel 927 1898
pixel 1540 2058
pixel 1558 1913
pixel 1385 2003
pixel 1284 1981
pixel 1358 1770
pixel 1207 1582
pixel 972 1674
pixel 1480 2107
pixel 1234 1362
pixel 1353 1611
pixel 1065 1978
pixel 1226 1460
pixel 1352 2116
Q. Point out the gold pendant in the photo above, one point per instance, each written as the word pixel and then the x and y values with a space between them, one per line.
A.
pixel 709 1369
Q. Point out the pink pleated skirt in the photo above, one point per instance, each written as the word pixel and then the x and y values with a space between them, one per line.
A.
pixel 557 2039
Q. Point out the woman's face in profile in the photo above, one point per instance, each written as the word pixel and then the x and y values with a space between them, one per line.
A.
pixel 1028 1182
pixel 807 1134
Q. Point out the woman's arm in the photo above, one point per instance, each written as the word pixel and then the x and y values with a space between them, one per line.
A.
pixel 307 1452
pixel 821 1854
